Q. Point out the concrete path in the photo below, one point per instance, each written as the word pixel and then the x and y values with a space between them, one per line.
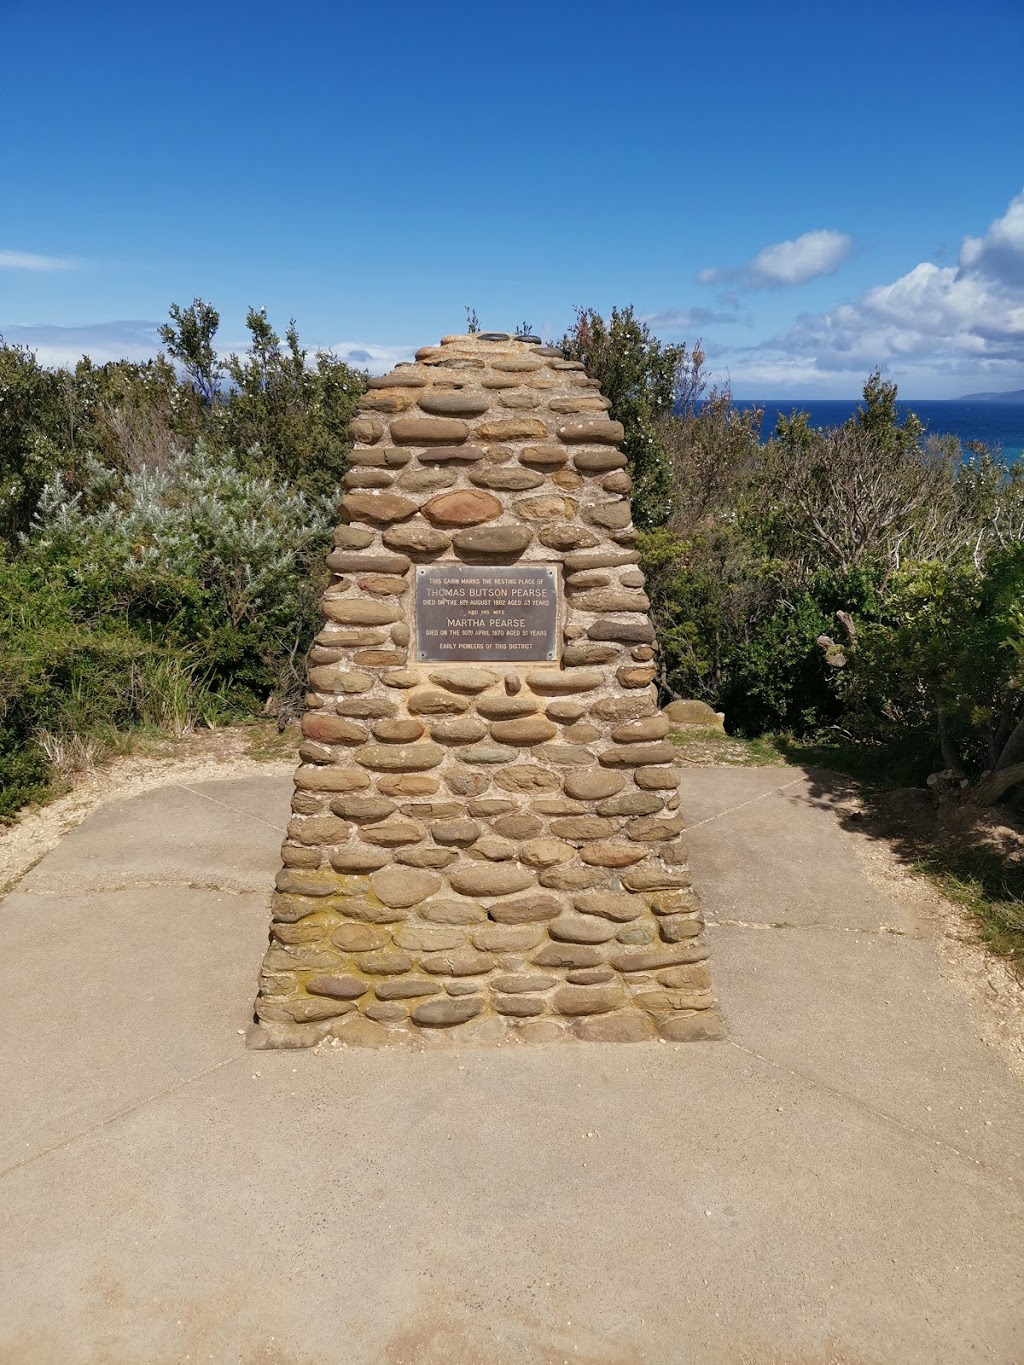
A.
pixel 841 1183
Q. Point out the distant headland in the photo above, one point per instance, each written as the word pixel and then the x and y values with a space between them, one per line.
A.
pixel 1014 396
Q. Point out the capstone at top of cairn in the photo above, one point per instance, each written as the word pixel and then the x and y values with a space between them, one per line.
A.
pixel 485 840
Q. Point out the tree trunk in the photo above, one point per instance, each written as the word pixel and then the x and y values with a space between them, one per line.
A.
pixel 994 786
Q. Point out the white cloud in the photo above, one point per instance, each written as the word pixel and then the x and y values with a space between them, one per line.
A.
pixel 686 319
pixel 27 260
pixel 101 341
pixel 939 329
pixel 784 264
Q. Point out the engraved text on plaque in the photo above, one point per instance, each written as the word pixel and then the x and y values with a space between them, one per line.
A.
pixel 474 613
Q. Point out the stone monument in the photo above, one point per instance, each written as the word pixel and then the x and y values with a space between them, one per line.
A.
pixel 485 838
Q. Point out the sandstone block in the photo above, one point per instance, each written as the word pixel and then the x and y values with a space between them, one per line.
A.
pixel 611 599
pixel 457 403
pixel 402 887
pixel 653 830
pixel 337 987
pixel 572 876
pixel 368 478
pixel 490 879
pixel 405 988
pixel 518 826
pixel 442 911
pixel 618 481
pixel 408 377
pixel 597 430
pixel 425 855
pixel 652 877
pixel 638 755
pixel 486 807
pixel 426 938
pixel 568 955
pixel 590 976
pixel 514 984
pixel 587 654
pixel 575 1000
pixel 511 429
pixel 582 402
pixel 301 1010
pixel 392 834
pixel 639 675
pixel 639 731
pixel 348 561
pixel 506 480
pixel 399 758
pixel 547 507
pixel 626 632
pixel 500 708
pixel 564 710
pixel 649 959
pixel 462 832
pixel 565 536
pixel 543 456
pixel 383 585
pixel 396 731
pixel 429 701
pixel 358 611
pixel 406 784
pixel 552 681
pixel 608 854
pixel 458 962
pixel 545 852
pixel 520 1006
pixel 565 755
pixel 367 429
pixel 332 729
pixel 656 779
pixel 359 938
pixel 525 910
pixel 572 927
pixel 486 753
pixel 428 431
pixel 377 507
pixel 332 779
pixel 318 829
pixel 506 938
pixel 464 679
pixel 382 401
pixel 465 782
pixel 600 559
pixel 402 678
pixel 384 963
pixel 358 858
pixel 416 537
pixel 523 730
pixel 693 977
pixel 379 658
pixel 679 928
pixel 583 827
pixel 458 730
pixel 422 480
pixel 501 541
pixel 443 1013
pixel 630 803
pixel 466 507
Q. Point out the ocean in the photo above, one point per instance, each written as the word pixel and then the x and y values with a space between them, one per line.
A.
pixel 996 424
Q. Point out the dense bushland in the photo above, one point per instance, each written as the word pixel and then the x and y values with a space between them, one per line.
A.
pixel 163 534
pixel 162 528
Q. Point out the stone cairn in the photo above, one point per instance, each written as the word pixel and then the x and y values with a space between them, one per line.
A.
pixel 484 851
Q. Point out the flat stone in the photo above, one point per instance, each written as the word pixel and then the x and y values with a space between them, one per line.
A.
pixel 463 832
pixel 393 834
pixel 649 959
pixel 406 784
pixel 554 681
pixel 519 1006
pixel 566 536
pixel 466 507
pixel 525 778
pixel 547 507
pixel 626 632
pixel 332 729
pixel 302 1010
pixel 417 537
pixel 543 456
pixel 590 976
pixel 499 708
pixel 405 988
pixel 486 807
pixel 631 803
pixel 430 701
pixel 359 611
pixel 583 402
pixel 506 480
pixel 511 429
pixel 384 585
pixel 600 559
pixel 410 377
pixel 520 984
pixel 362 808
pixel 486 753
pixel 582 827
pixel 506 938
pixel 518 826
pixel 428 431
pixel 421 480
pixel 349 561
pixel 526 910
pixel 695 976
pixel 565 755
pixel 583 733
pixel 652 830
pixel 442 1013
pixel 637 755
pixel 490 879
pixel 396 731
pixel 358 857
pixel 615 1028
pixel 465 782
pixel 656 779
pixel 440 455
pixel 368 478
pixel 514 364
pixel 599 430
pixel 384 963
pixel 428 938
pixel 545 852
pixel 337 987
pixel 456 403
pixel 458 730
pixel 572 876
pixel 652 877
pixel 608 854
pixel 458 962
pixel 383 400
pixel 503 541
pixel 366 430
pixel 402 758
pixel 330 779
pixel 446 911
pixel 639 731
pixel 588 999
pixel 379 658
pixel 359 938
pixel 523 730
pixel 572 927
pixel 464 679
pixel 611 599
pixel 378 507
pixel 587 654
pixel 403 887
pixel 568 955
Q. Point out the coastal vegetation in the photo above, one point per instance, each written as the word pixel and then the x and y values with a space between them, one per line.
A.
pixel 163 525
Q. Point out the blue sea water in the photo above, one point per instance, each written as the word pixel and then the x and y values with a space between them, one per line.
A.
pixel 999 425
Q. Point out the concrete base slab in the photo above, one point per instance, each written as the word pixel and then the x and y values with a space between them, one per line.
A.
pixel 808 1193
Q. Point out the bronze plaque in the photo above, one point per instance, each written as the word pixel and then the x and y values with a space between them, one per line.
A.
pixel 468 614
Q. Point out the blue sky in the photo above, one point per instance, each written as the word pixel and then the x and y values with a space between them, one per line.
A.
pixel 812 189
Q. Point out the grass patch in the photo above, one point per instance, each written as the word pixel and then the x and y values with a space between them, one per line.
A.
pixel 707 746
pixel 989 887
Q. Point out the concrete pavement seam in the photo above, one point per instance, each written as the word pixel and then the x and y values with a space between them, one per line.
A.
pixel 227 806
pixel 883 930
pixel 121 1113
pixel 878 1114
pixel 135 884
pixel 753 800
